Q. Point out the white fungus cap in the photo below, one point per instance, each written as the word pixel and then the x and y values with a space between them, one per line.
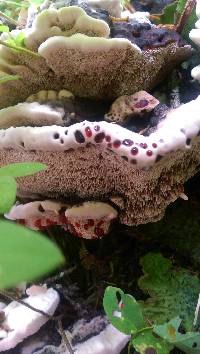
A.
pixel 23 321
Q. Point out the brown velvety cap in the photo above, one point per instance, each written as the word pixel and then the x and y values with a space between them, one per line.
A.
pixel 83 60
pixel 94 173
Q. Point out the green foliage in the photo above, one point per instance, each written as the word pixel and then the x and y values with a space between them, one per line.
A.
pixel 173 292
pixel 36 2
pixel 22 169
pixel 168 16
pixel 166 232
pixel 146 340
pixel 128 308
pixel 12 8
pixel 7 181
pixel 189 342
pixel 172 13
pixel 125 314
pixel 4 28
pixel 8 188
pixel 6 78
pixel 25 254
pixel 17 44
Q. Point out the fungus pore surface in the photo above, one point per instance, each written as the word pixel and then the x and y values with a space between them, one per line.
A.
pixel 98 171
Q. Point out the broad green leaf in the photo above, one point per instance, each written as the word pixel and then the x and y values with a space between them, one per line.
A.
pixel 8 188
pixel 19 39
pixel 125 315
pixel 21 169
pixel 10 43
pixel 6 78
pixel 147 342
pixel 173 292
pixel 25 254
pixel 4 28
pixel 190 23
pixel 168 330
pixel 189 342
pixel 167 16
pixel 172 13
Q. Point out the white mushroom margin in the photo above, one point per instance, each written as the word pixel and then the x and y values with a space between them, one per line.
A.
pixel 175 132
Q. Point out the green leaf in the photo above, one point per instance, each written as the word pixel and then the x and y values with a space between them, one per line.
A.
pixel 6 78
pixel 189 342
pixel 25 255
pixel 146 342
pixel 36 2
pixel 173 292
pixel 8 188
pixel 14 3
pixel 4 28
pixel 172 13
pixel 10 43
pixel 21 169
pixel 191 20
pixel 126 315
pixel 19 39
pixel 167 16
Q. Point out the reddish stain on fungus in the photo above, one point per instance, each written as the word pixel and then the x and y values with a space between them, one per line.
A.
pixel 116 144
pixel 99 137
pixel 88 132
pixel 141 104
pixel 108 138
pixel 99 232
pixel 149 153
pixel 134 151
pixel 144 145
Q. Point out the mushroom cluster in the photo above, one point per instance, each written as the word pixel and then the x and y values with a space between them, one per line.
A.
pixel 81 106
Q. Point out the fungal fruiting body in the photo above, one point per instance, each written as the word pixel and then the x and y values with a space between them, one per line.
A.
pixel 89 220
pixel 20 321
pixel 113 151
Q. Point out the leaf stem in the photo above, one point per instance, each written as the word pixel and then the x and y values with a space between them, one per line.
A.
pixel 9 19
pixel 21 49
pixel 143 329
pixel 129 347
pixel 189 6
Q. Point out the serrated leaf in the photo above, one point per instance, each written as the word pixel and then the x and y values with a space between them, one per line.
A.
pixel 146 342
pixel 173 292
pixel 8 188
pixel 189 342
pixel 25 254
pixel 6 78
pixel 126 315
pixel 22 169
